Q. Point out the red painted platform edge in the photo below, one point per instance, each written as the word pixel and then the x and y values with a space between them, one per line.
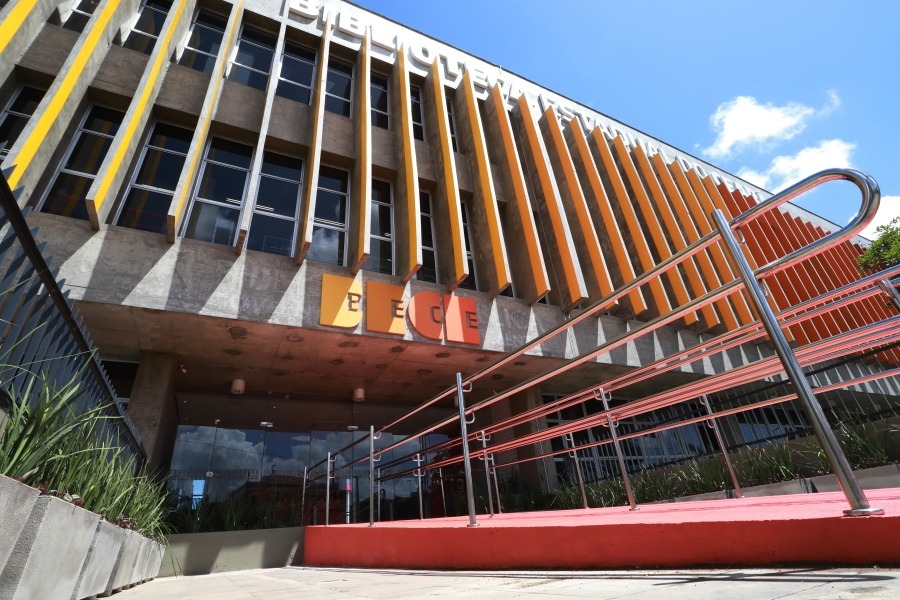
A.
pixel 725 540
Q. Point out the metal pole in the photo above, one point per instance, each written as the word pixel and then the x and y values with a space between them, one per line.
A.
pixel 487 471
pixel 378 491
pixel 859 504
pixel 303 499
pixel 714 425
pixel 569 439
pixel 348 491
pixel 327 488
pixel 464 438
pixel 891 291
pixel 443 495
pixel 418 473
pixel 496 485
pixel 371 476
pixel 615 438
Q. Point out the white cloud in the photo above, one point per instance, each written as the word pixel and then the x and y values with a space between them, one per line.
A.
pixel 887 212
pixel 745 121
pixel 786 170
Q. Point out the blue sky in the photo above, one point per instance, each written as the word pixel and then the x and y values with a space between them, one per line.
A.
pixel 772 91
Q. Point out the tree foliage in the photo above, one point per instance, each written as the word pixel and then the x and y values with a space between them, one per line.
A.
pixel 885 249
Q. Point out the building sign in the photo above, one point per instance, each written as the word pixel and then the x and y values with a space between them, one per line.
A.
pixel 434 316
pixel 351 23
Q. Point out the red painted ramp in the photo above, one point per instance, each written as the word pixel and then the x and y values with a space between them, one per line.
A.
pixel 776 530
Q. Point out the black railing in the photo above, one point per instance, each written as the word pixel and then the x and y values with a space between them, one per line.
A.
pixel 40 330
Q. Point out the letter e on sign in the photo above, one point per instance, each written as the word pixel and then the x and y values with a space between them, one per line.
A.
pixel 341 302
pixel 426 316
pixel 385 309
pixel 462 320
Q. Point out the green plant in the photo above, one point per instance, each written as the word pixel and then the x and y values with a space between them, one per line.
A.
pixel 652 485
pixel 885 249
pixel 765 464
pixel 607 492
pixel 863 445
pixel 700 477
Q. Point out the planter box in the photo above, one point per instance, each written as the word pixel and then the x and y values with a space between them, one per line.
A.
pixel 221 551
pixel 50 552
pixel 101 560
pixel 16 502
pixel 886 476
pixel 124 566
pixel 795 486
pixel 138 575
pixel 156 556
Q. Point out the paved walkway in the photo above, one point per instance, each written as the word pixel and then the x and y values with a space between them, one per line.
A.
pixel 327 584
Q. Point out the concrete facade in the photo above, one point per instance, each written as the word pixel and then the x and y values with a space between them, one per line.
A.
pixel 563 205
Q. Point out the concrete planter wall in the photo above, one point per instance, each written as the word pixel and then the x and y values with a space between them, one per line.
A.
pixel 50 548
pixel 16 502
pixel 50 552
pixel 886 476
pixel 216 552
pixel 100 561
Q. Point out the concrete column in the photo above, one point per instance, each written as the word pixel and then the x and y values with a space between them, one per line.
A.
pixel 152 406
pixel 537 475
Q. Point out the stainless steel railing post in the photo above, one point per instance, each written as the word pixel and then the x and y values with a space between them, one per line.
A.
pixel 569 440
pixel 303 498
pixel 859 504
pixel 419 459
pixel 443 494
pixel 372 460
pixel 464 438
pixel 496 485
pixel 604 397
pixel 891 291
pixel 328 478
pixel 718 433
pixel 487 469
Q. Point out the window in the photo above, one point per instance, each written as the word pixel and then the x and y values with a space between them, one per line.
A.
pixel 381 212
pixel 274 222
pixel 16 116
pixel 298 66
pixel 470 282
pixel 92 141
pixel 338 87
pixel 150 22
pixel 220 192
pixel 415 95
pixel 380 103
pixel 147 203
pixel 254 58
pixel 80 15
pixel 204 42
pixel 428 271
pixel 330 220
pixel 451 119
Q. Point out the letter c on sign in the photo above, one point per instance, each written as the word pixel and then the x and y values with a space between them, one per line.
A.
pixel 426 315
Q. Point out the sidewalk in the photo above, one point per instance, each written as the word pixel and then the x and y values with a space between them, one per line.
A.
pixel 713 584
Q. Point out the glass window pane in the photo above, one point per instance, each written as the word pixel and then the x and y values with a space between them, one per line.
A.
pixel 171 137
pixel 256 57
pixel 298 71
pixel 425 226
pixel 338 84
pixel 230 153
pixel 66 196
pixel 160 169
pixel 247 77
pixel 425 203
pixel 337 106
pixel 212 20
pixel 76 22
pixel 140 42
pixel 381 220
pixel 269 234
pixel 419 132
pixel 88 153
pixel 145 210
pixel 197 61
pixel 381 191
pixel 327 246
pixel 379 95
pixel 380 120
pixel 333 179
pixel 293 92
pixel 428 271
pixel 222 184
pixel 10 129
pixel 205 39
pixel 27 100
pixel 104 120
pixel 380 257
pixel 279 165
pixel 277 197
pixel 331 208
pixel 151 21
pixel 301 52
pixel 258 36
pixel 210 223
